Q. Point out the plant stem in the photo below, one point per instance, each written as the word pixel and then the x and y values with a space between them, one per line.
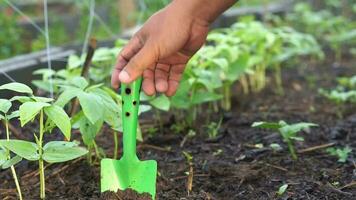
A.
pixel 291 150
pixel 97 152
pixel 41 164
pixel 116 147
pixel 13 171
pixel 227 97
pixel 278 78
pixel 159 120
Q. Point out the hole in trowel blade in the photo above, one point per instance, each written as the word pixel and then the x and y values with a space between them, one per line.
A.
pixel 128 91
pixel 134 103
pixel 127 114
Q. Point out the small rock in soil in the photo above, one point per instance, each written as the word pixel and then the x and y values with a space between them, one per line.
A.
pixel 127 194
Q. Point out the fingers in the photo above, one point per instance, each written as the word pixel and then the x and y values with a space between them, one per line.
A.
pixel 145 57
pixel 148 81
pixel 125 55
pixel 161 77
pixel 175 76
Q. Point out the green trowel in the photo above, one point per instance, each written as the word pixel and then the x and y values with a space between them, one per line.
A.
pixel 129 171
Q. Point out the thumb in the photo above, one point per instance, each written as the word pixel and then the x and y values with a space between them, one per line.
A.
pixel 138 63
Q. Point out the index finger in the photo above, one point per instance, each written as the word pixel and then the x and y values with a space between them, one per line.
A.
pixel 129 50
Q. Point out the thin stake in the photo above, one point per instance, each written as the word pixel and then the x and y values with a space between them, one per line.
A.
pixel 49 62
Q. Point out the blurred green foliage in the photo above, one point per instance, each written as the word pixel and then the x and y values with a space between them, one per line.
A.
pixel 10 34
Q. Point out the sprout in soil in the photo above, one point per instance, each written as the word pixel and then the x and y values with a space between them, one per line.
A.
pixel 213 129
pixel 5 158
pixel 282 189
pixel 341 153
pixel 53 151
pixel 287 131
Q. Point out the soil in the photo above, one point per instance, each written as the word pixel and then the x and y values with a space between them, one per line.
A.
pixel 126 194
pixel 231 166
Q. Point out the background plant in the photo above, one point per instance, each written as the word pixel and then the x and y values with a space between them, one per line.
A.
pixel 289 132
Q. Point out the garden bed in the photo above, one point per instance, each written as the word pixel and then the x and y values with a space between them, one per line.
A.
pixel 231 166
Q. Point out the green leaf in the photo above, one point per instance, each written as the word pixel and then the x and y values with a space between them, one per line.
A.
pixel 60 118
pixel 60 151
pixel 79 82
pixel 27 150
pixel 92 106
pixel 29 110
pixel 3 157
pixel 24 99
pixel 13 115
pixel 295 128
pixel 5 105
pixel 13 161
pixel 202 97
pixel 74 61
pixel 282 189
pixel 161 102
pixel 68 94
pixel 89 130
pixel 266 125
pixel 143 108
pixel 17 87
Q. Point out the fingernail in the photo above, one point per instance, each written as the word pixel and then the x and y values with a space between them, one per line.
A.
pixel 124 76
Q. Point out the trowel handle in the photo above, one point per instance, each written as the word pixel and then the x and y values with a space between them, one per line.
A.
pixel 130 94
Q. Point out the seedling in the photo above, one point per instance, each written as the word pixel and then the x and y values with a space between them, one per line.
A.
pixel 52 152
pixel 282 189
pixel 5 158
pixel 190 173
pixel 341 153
pixel 287 131
pixel 213 129
pixel 343 94
pixel 90 119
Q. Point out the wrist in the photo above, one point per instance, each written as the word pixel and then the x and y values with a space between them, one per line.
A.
pixel 204 11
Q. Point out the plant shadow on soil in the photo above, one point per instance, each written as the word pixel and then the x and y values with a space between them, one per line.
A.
pixel 230 167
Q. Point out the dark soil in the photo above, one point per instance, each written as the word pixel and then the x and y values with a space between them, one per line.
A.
pixel 231 166
pixel 127 195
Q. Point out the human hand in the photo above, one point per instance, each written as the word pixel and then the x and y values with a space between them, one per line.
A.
pixel 160 50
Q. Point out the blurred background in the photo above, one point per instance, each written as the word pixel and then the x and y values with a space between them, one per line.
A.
pixel 71 23
pixel 68 19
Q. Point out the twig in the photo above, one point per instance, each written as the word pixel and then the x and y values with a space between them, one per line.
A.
pixel 183 177
pixel 34 173
pixel 149 146
pixel 328 185
pixel 277 167
pixel 353 183
pixel 190 178
pixel 316 148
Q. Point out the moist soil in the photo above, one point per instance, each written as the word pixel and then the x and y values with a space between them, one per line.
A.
pixel 230 166
pixel 127 194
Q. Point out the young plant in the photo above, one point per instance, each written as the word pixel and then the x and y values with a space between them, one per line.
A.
pixel 213 129
pixel 289 132
pixel 343 94
pixel 99 105
pixel 51 152
pixel 282 189
pixel 341 153
pixel 5 158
